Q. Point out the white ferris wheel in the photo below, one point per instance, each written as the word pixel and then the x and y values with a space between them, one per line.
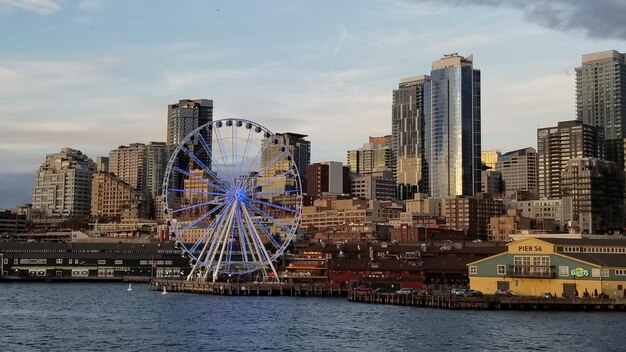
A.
pixel 233 198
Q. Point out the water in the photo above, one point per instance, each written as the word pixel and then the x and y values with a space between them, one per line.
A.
pixel 105 317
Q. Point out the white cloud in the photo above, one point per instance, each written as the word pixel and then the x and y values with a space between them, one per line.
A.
pixel 43 7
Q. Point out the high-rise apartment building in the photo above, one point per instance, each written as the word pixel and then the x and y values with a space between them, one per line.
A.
pixel 407 135
pixel 63 184
pixel 374 156
pixel 594 186
pixel 557 145
pixel 128 163
pixel 187 115
pixel 601 98
pixel 296 144
pixel 157 156
pixel 519 170
pixel 452 137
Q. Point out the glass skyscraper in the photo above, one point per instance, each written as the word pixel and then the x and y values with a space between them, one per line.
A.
pixel 452 128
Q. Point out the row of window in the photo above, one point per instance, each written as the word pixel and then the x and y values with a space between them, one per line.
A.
pixel 76 261
pixel 563 270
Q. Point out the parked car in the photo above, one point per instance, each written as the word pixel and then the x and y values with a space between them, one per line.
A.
pixel 406 291
pixel 423 293
pixel 364 289
pixel 474 293
pixel 505 293
pixel 459 292
pixel 546 295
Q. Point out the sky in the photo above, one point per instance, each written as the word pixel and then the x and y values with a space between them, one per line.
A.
pixel 95 74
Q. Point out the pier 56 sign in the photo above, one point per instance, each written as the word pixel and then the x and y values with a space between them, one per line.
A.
pixel 579 272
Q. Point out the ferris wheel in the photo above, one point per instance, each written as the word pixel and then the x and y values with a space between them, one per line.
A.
pixel 233 199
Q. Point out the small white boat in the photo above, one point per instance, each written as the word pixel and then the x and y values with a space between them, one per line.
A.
pixel 130 287
pixel 164 291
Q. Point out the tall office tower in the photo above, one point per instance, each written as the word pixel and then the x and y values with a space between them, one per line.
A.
pixel 490 158
pixel 63 184
pixel 601 99
pixel 452 128
pixel 519 170
pixel 407 135
pixel 102 163
pixel 186 116
pixel 557 145
pixel 594 186
pixel 329 177
pixel 113 199
pixel 354 160
pixel 299 148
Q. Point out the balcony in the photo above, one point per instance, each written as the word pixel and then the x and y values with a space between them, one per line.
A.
pixel 531 271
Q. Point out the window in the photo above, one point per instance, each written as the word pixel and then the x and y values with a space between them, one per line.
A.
pixel 595 272
pixel 6 261
pixel 605 272
pixel 501 269
pixel 473 270
pixel 70 261
pixel 59 261
pixel 118 262
pixel 564 270
pixel 15 261
pixel 620 272
pixel 102 262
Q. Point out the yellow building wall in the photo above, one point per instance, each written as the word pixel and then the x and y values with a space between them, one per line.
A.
pixel 534 287
pixel 532 246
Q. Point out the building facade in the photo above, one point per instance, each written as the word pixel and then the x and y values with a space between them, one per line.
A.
pixel 471 214
pixel 594 186
pixel 519 170
pixel 407 135
pixel 113 199
pixel 63 184
pixel 557 145
pixel 452 138
pixel 327 178
pixel 370 186
pixel 298 147
pixel 601 99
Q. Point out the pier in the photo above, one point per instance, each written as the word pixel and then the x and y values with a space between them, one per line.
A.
pixel 445 301
pixel 251 288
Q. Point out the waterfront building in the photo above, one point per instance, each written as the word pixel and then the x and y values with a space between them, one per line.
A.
pixel 12 222
pixel 594 186
pixel 113 199
pixel 327 178
pixel 567 267
pixel 471 214
pixel 601 99
pixel 559 144
pixel 63 184
pixel 378 186
pixel 452 137
pixel 519 170
pixel 407 135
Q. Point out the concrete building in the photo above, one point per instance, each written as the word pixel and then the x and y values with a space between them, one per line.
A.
pixel 471 214
pixel 594 186
pixel 422 204
pixel 501 228
pixel 372 157
pixel 373 186
pixel 519 170
pixel 128 163
pixel 102 163
pixel 299 148
pixel 407 135
pixel 490 158
pixel 452 137
pixel 491 181
pixel 338 211
pixel 327 178
pixel 558 210
pixel 187 115
pixel 601 99
pixel 559 144
pixel 113 199
pixel 63 184
pixel 157 156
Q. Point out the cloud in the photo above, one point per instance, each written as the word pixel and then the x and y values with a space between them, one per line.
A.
pixel 43 7
pixel 597 19
pixel 91 5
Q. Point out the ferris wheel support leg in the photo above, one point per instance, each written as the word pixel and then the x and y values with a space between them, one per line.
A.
pixel 261 246
pixel 225 234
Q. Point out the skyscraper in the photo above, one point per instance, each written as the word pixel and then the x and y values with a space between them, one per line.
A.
pixel 557 145
pixel 407 135
pixel 372 157
pixel 601 99
pixel 452 136
pixel 299 148
pixel 63 184
pixel 186 116
pixel 519 170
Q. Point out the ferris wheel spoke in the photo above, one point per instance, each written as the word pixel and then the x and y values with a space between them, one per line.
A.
pixel 258 156
pixel 264 214
pixel 197 221
pixel 250 182
pixel 261 246
pixel 273 205
pixel 245 152
pixel 241 233
pixel 275 192
pixel 274 178
pixel 209 152
pixel 197 205
pixel 204 167
pixel 186 173
pixel 223 154
pixel 218 221
pixel 267 232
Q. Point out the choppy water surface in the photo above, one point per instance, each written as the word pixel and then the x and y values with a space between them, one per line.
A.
pixel 105 317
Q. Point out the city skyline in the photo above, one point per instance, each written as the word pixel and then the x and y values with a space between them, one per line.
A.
pixel 72 80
